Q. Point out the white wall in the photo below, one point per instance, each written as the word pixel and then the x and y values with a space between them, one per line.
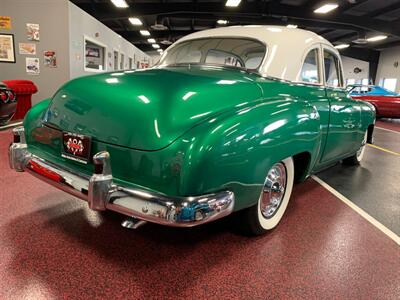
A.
pixel 53 21
pixel 82 24
pixel 62 27
pixel 349 64
pixel 386 68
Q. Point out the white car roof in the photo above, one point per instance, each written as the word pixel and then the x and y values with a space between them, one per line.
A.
pixel 286 47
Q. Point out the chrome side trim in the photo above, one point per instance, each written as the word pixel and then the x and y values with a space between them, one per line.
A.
pixel 101 193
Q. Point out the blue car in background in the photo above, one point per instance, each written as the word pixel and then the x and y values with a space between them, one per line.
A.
pixel 361 90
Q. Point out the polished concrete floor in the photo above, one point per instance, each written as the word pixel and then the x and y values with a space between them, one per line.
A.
pixel 375 185
pixel 52 246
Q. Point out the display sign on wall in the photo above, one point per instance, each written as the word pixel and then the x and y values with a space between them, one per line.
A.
pixel 33 32
pixel 5 22
pixel 92 51
pixel 94 56
pixel 32 66
pixel 7 50
pixel 144 65
pixel 27 48
pixel 50 59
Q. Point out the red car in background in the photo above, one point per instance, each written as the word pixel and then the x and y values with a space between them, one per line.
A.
pixel 8 104
pixel 387 103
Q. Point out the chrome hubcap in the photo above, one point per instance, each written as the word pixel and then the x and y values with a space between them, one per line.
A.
pixel 273 190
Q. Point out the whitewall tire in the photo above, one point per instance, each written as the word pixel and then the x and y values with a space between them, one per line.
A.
pixel 273 200
pixel 276 193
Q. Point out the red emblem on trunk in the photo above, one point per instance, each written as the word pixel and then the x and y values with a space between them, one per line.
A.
pixel 75 146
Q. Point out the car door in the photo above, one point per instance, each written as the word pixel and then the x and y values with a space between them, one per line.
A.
pixel 311 78
pixel 344 115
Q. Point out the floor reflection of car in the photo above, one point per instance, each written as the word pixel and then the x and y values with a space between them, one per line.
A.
pixel 387 103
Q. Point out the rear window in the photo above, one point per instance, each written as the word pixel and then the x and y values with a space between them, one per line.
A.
pixel 234 52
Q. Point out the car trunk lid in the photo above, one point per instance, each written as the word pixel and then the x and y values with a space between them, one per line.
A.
pixel 148 109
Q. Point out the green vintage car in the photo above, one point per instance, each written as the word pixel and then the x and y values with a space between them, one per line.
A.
pixel 227 121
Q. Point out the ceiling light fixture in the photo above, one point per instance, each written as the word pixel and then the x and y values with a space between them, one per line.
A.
pixel 232 3
pixel 291 26
pixel 144 32
pixel 222 22
pixel 156 46
pixel 166 42
pixel 342 46
pixel 326 8
pixel 360 41
pixel 120 3
pixel 160 50
pixel 377 38
pixel 159 26
pixel 135 21
pixel 151 41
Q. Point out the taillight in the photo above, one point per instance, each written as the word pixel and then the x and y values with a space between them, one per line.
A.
pixel 4 96
pixel 37 168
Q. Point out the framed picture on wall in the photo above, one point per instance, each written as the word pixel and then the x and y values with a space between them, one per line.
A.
pixel 92 51
pixel 32 66
pixel 50 59
pixel 7 49
pixel 33 32
pixel 5 22
pixel 95 56
pixel 27 48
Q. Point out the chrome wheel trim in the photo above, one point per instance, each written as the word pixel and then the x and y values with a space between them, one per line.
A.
pixel 273 190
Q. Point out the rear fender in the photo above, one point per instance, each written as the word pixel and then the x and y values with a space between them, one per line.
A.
pixel 368 115
pixel 235 151
pixel 34 117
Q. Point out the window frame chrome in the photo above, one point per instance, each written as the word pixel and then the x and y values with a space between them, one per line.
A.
pixel 319 66
pixel 339 68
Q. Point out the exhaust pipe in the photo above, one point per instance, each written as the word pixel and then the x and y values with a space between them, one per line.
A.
pixel 132 223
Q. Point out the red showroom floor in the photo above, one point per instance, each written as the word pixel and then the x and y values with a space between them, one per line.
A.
pixel 53 247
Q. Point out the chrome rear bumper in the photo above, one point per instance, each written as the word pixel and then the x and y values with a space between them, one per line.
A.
pixel 102 194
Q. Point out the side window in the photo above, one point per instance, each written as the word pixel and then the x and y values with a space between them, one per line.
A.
pixel 332 69
pixel 309 70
